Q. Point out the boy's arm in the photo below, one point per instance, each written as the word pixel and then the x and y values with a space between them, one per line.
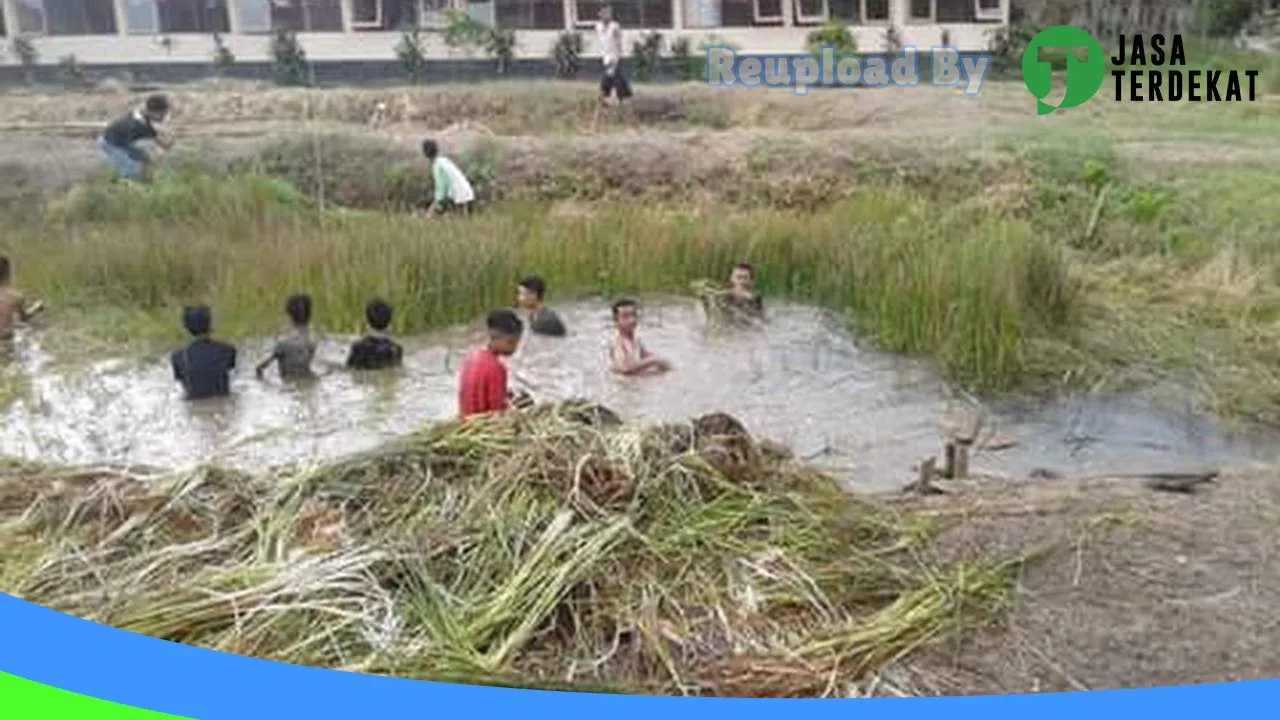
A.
pixel 266 362
pixel 24 313
pixel 177 366
pixel 496 391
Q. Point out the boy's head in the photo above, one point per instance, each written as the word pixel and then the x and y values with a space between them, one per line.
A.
pixel 626 315
pixel 430 149
pixel 505 329
pixel 298 308
pixel 378 314
pixel 157 107
pixel 530 292
pixel 6 270
pixel 606 13
pixel 197 319
pixel 743 277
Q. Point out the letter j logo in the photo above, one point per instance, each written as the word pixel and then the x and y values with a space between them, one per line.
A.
pixel 1083 78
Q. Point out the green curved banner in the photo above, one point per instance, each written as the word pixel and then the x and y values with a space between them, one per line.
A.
pixel 23 699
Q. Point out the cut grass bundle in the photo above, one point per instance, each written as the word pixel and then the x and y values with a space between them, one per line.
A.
pixel 480 551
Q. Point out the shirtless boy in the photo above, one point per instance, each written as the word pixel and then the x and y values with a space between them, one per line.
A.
pixel 628 355
pixel 293 353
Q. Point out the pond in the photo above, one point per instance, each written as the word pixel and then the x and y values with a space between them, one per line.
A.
pixel 802 380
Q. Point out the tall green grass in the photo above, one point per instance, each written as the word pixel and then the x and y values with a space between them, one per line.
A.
pixel 966 290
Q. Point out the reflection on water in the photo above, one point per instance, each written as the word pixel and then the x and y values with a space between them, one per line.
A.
pixel 801 380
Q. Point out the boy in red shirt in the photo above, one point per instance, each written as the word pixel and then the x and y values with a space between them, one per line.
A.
pixel 482 384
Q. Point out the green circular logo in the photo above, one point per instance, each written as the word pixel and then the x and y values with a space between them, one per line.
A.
pixel 1084 77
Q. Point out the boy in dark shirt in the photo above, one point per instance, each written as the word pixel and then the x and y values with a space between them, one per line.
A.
pixel 542 319
pixel 482 385
pixel 204 366
pixel 376 351
pixel 118 143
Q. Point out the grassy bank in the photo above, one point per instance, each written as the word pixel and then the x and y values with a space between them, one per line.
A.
pixel 1067 274
pixel 534 550
pixel 1124 244
pixel 967 290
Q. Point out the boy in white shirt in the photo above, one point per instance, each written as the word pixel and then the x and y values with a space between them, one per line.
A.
pixel 453 190
pixel 613 81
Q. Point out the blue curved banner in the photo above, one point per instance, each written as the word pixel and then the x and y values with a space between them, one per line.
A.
pixel 54 649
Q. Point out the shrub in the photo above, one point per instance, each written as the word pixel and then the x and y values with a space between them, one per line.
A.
pixel 461 31
pixel 1224 18
pixel 833 34
pixel 25 48
pixel 411 53
pixel 568 54
pixel 71 71
pixel 501 45
pixel 223 58
pixel 647 54
pixel 892 40
pixel 1008 41
pixel 945 38
pixel 687 65
pixel 290 59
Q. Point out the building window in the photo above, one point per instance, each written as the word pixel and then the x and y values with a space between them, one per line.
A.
pixel 531 14
pixel 920 11
pixel 732 13
pixel 67 17
pixel 810 12
pixel 628 13
pixel 384 15
pixel 193 16
pixel 306 15
pixel 990 10
pixel 856 12
pixel 30 16
pixel 968 11
pixel 149 17
pixel 4 31
pixel 261 16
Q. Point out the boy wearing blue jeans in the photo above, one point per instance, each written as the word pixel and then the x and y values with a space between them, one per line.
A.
pixel 118 143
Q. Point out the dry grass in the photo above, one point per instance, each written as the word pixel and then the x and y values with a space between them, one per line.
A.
pixel 533 550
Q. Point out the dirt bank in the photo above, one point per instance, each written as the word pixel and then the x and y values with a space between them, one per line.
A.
pixel 1141 588
pixel 535 140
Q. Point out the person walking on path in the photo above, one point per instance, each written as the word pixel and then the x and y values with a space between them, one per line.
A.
pixel 613 81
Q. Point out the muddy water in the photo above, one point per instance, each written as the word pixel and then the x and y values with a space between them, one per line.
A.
pixel 802 380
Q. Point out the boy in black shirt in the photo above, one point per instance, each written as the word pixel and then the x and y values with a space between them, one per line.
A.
pixel 542 319
pixel 204 366
pixel 376 351
pixel 118 143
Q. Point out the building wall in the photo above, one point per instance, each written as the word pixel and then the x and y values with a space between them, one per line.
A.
pixel 124 48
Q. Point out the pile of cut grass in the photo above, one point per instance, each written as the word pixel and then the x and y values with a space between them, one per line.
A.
pixel 549 548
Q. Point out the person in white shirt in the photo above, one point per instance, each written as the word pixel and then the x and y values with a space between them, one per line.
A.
pixel 613 81
pixel 453 190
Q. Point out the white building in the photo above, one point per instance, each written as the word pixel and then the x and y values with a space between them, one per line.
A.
pixel 151 31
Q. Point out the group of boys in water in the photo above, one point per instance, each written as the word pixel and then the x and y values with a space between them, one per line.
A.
pixel 203 366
